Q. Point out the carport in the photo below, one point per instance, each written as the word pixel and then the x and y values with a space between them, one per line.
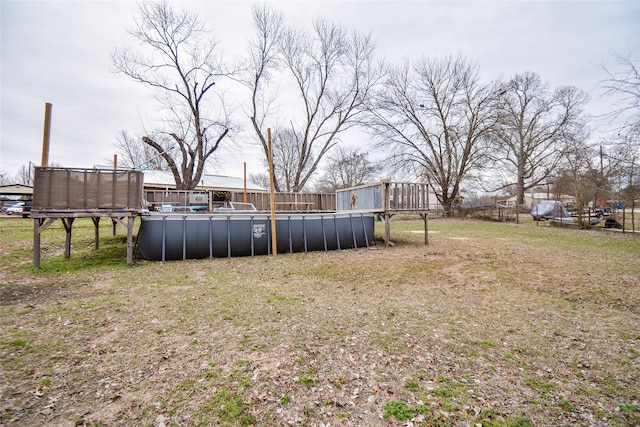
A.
pixel 15 193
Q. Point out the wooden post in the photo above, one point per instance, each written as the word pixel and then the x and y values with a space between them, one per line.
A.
pixel 46 135
pixel 115 162
pixel 130 220
pixel 39 225
pixel 274 241
pixel 425 218
pixel 68 226
pixel 425 199
pixel 36 242
pixel 426 228
pixel 387 229
pixel 96 232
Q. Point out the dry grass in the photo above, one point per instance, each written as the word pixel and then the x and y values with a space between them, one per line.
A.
pixel 491 324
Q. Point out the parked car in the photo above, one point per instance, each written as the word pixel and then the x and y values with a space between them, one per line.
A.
pixel 15 208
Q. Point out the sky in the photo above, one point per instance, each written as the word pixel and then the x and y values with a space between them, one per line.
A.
pixel 58 51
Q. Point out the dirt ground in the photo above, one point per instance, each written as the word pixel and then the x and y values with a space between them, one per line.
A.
pixel 488 325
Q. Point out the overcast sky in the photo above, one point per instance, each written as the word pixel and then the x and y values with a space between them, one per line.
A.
pixel 59 52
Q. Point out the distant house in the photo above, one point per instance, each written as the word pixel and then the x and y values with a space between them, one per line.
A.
pixel 531 199
pixel 19 190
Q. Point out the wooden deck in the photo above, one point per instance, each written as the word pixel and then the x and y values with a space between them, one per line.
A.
pixel 68 193
pixel 388 199
pixel 43 219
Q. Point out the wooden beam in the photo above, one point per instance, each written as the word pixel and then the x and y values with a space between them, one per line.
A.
pixel 119 221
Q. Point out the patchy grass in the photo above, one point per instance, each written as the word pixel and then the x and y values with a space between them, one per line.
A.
pixel 491 324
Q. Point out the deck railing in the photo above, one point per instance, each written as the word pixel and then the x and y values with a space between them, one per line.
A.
pixel 385 197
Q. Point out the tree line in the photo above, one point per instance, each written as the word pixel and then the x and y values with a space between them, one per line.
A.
pixel 434 118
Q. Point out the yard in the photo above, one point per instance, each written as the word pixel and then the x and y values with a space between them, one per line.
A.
pixel 491 324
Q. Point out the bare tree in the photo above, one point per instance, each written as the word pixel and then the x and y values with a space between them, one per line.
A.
pixel 346 167
pixel 287 155
pixel 534 126
pixel 25 174
pixel 133 154
pixel 434 116
pixel 623 84
pixel 561 183
pixel 624 169
pixel 578 161
pixel 263 62
pixel 179 62
pixel 260 179
pixel 4 178
pixel 333 73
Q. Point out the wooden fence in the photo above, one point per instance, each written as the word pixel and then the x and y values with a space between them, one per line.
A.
pixel 208 200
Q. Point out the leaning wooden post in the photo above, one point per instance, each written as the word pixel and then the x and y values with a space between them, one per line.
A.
pixel 37 223
pixel 274 240
pixel 46 136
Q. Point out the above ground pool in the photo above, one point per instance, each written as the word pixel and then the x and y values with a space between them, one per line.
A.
pixel 173 236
